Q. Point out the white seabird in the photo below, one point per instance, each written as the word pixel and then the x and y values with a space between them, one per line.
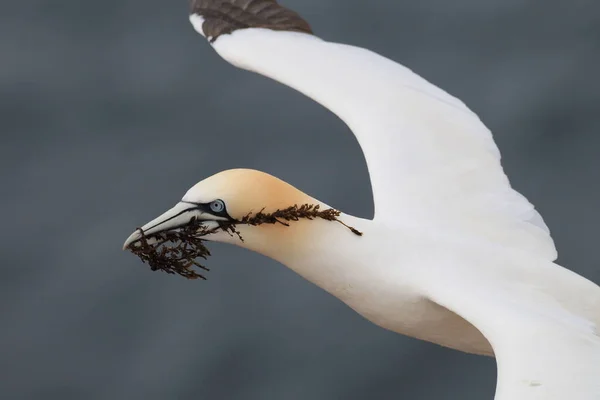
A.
pixel 453 255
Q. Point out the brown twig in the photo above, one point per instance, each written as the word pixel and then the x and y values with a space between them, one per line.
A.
pixel 175 252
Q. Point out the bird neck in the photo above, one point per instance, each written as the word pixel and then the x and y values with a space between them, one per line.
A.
pixel 316 249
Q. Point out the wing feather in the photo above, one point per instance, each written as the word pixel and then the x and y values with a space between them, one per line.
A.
pixel 431 160
pixel 433 163
pixel 542 323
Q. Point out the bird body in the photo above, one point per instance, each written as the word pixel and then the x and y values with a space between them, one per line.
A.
pixel 454 255
pixel 385 274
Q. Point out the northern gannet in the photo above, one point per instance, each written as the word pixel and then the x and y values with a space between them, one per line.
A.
pixel 453 255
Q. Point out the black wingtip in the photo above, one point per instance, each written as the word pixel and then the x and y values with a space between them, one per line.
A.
pixel 226 16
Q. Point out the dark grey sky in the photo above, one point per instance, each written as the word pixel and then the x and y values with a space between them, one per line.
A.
pixel 111 110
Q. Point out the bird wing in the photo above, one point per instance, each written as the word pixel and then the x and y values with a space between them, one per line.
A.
pixel 431 161
pixel 541 321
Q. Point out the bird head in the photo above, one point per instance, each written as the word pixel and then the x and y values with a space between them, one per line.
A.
pixel 229 196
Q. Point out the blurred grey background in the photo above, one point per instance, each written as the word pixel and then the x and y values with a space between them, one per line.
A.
pixel 111 110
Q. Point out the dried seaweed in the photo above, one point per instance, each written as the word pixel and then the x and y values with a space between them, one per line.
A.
pixel 176 252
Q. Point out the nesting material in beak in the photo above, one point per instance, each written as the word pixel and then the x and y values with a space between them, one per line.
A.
pixel 175 251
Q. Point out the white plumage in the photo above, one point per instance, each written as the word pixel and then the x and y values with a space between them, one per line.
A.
pixel 430 158
pixel 451 243
pixel 434 166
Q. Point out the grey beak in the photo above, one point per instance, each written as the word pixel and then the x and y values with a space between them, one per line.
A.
pixel 176 217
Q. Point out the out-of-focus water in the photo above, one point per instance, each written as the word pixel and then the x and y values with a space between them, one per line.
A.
pixel 111 110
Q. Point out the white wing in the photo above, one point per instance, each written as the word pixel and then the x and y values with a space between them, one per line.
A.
pixel 431 160
pixel 433 163
pixel 542 322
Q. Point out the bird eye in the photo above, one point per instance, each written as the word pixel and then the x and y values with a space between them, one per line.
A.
pixel 217 206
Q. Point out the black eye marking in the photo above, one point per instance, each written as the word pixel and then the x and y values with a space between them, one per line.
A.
pixel 216 207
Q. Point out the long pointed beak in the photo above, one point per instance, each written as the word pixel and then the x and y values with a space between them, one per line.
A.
pixel 176 217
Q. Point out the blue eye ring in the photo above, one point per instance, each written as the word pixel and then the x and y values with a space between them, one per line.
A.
pixel 217 206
